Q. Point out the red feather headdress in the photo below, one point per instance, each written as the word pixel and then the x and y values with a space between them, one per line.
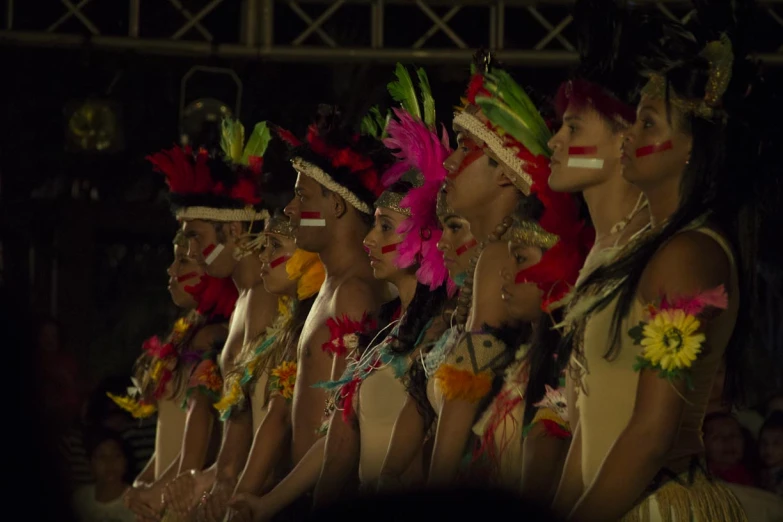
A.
pixel 216 189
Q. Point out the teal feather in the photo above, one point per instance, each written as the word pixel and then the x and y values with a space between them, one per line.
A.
pixel 427 101
pixel 402 91
pixel 257 143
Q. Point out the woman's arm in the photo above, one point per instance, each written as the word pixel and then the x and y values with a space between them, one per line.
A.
pixel 147 475
pixel 455 421
pixel 688 265
pixel 301 480
pixel 268 446
pixel 341 459
pixel 571 486
pixel 637 454
pixel 197 434
pixel 406 442
pixel 543 457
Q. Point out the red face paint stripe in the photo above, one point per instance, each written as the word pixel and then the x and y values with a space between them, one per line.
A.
pixel 185 277
pixel 582 151
pixel 468 160
pixel 652 149
pixel 389 248
pixel 208 250
pixel 310 215
pixel 467 246
pixel 279 261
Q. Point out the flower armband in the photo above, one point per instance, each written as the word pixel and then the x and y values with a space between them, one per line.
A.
pixel 205 379
pixel 233 398
pixel 670 336
pixel 344 333
pixel 282 380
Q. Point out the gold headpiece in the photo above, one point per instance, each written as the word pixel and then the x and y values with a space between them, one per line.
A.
pixel 529 232
pixel 442 208
pixel 720 57
pixel 279 225
pixel 391 200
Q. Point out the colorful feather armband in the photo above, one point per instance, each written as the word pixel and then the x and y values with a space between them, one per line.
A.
pixel 670 336
pixel 344 333
pixel 468 371
pixel 552 413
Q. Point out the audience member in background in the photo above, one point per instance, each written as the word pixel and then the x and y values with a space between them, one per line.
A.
pixel 771 451
pixel 110 460
pixel 728 456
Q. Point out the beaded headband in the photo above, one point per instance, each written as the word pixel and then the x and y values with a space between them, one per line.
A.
pixel 279 225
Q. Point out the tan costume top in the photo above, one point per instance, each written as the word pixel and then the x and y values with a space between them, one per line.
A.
pixel 609 386
pixel 381 397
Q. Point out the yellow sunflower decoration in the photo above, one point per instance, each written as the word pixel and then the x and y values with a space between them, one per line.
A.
pixel 671 340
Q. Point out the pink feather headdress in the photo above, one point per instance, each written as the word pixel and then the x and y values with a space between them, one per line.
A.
pixel 419 147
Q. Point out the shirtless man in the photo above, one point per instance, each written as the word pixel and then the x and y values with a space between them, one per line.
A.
pixel 331 213
pixel 219 229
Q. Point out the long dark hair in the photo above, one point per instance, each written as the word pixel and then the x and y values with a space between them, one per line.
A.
pixel 546 359
pixel 735 140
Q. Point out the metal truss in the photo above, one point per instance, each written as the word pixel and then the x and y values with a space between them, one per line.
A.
pixel 522 32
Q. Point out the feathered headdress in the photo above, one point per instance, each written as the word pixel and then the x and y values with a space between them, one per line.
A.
pixel 344 162
pixel 413 138
pixel 610 42
pixel 515 133
pixel 563 235
pixel 217 189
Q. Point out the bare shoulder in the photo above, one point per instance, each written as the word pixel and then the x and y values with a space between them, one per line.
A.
pixel 689 263
pixel 355 296
pixel 209 337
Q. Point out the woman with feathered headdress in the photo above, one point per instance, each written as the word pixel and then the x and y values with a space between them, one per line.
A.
pixel 678 303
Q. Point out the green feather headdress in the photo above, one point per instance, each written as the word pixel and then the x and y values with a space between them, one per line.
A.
pixel 232 141
pixel 420 105
pixel 515 132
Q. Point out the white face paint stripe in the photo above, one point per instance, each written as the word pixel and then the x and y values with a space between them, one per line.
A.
pixel 214 254
pixel 312 222
pixel 586 163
